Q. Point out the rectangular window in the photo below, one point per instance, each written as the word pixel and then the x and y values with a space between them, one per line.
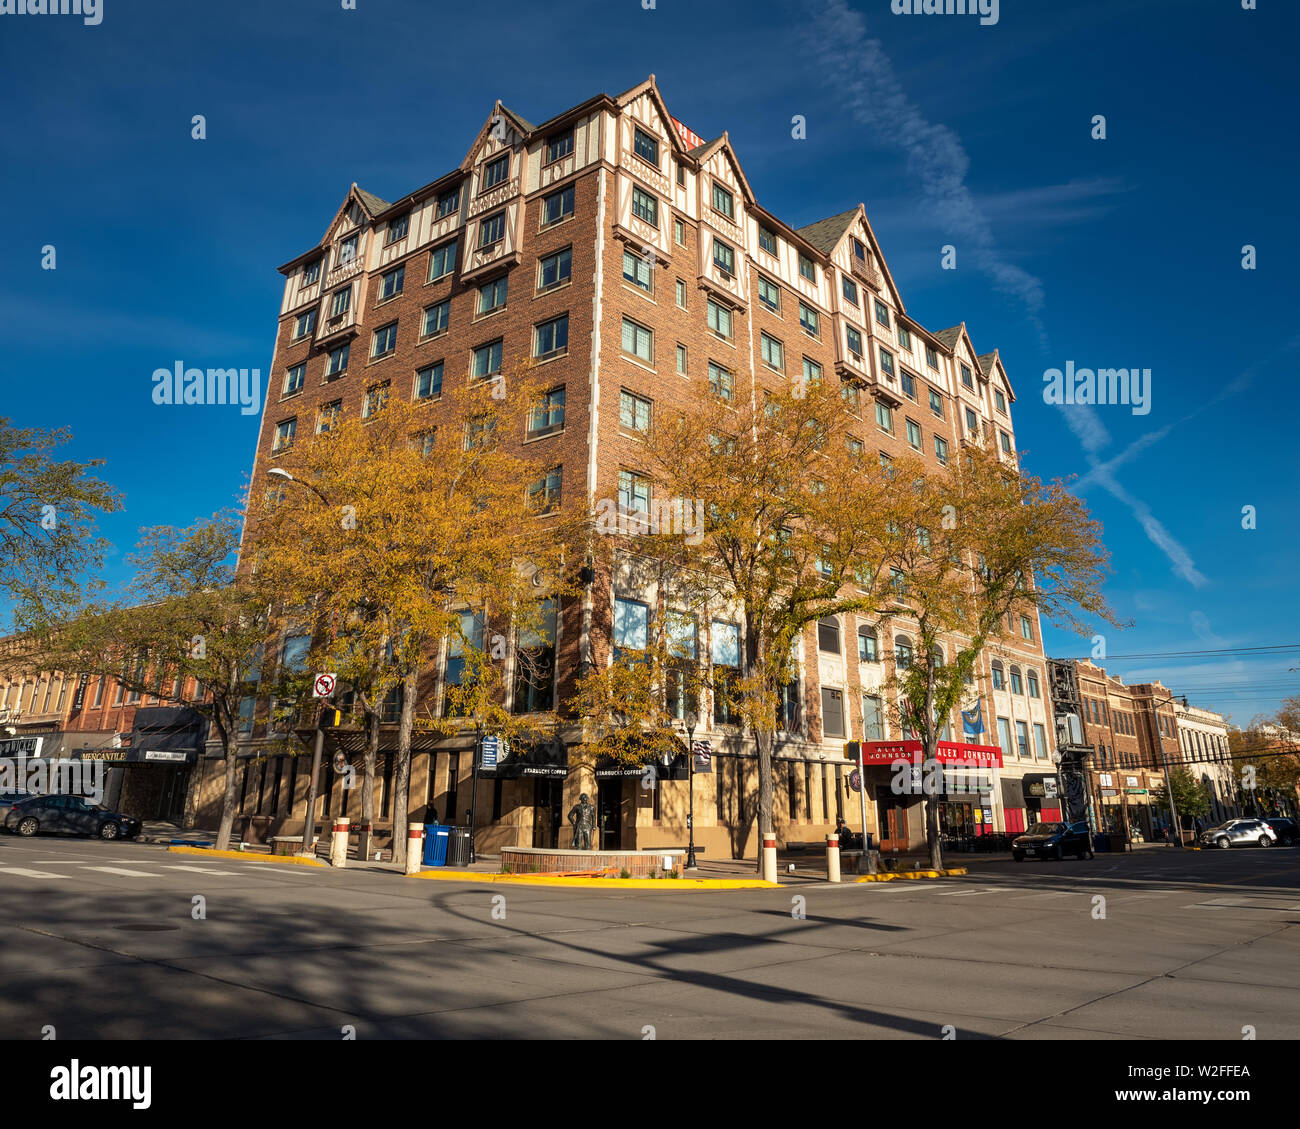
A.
pixel 972 424
pixel 645 147
pixel 428 382
pixel 887 363
pixel 914 436
pixel 492 295
pixel 535 664
pixel 547 415
pixel 448 203
pixel 555 270
pixel 633 492
pixel 832 712
pixel 773 352
pixel 294 378
pixel 1004 737
pixel 721 381
pixel 1006 441
pixel 931 357
pixel 644 206
pixel 544 494
pixel 828 635
pixel 560 145
pixel 766 240
pixel 487 360
pixel 679 232
pixel 638 271
pixel 884 417
pixel 638 340
pixel 304 323
pixel 812 371
pixel 347 251
pixel 941 449
pixel 723 201
pixel 908 383
pixel 328 416
pixel 966 376
pixel 852 396
pixel 1000 401
pixel 936 403
pixel 720 319
pixel 340 302
pixel 436 318
pixel 724 257
pixel 807 269
pixel 557 206
pixel 873 726
pixel 725 638
pixel 850 289
pixel 495 172
pixel 633 411
pixel 492 229
pixel 284 433
pixel 769 293
pixel 397 228
pixel 810 321
pixel 681 293
pixel 310 274
pixel 1026 627
pixel 442 261
pixel 376 398
pixel 854 340
pixel 1040 742
pixel 631 626
pixel 550 338
pixel 1022 738
pixel 867 645
pixel 681 359
pixel 882 313
pixel 338 361
pixel 384 340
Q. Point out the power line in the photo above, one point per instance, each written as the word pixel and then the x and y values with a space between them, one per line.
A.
pixel 1274 647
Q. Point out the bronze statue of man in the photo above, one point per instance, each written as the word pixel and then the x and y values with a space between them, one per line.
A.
pixel 583 820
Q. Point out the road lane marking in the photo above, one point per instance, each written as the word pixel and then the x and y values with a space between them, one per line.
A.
pixel 200 869
pixel 22 870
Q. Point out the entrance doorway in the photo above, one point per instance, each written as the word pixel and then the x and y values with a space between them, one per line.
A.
pixel 548 804
pixel 609 812
pixel 891 818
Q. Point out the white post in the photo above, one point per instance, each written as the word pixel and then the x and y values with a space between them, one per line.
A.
pixel 769 857
pixel 832 858
pixel 339 843
pixel 414 847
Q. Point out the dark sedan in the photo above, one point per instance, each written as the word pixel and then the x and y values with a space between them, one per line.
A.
pixel 1285 829
pixel 1053 841
pixel 68 815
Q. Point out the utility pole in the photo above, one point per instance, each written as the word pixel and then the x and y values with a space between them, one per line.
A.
pixel 309 825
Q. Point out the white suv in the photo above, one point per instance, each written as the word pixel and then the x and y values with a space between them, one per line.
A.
pixel 1239 833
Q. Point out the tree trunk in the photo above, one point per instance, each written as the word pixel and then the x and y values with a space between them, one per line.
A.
pixel 228 800
pixel 764 739
pixel 371 759
pixel 402 770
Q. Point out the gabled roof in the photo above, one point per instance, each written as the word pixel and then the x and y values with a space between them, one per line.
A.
pixel 990 361
pixel 522 126
pixel 826 234
pixel 524 123
pixel 702 153
pixel 948 338
pixel 372 203
pixel 652 87
pixel 986 362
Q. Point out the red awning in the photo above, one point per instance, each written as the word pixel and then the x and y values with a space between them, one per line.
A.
pixel 949 752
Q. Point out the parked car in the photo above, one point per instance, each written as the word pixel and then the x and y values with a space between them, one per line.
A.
pixel 1053 841
pixel 1286 830
pixel 1239 833
pixel 68 815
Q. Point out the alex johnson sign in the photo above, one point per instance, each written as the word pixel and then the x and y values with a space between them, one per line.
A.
pixel 949 752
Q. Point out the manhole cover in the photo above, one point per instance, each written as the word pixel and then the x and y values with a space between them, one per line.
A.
pixel 147 928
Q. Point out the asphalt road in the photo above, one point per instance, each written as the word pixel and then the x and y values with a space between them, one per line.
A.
pixel 103 940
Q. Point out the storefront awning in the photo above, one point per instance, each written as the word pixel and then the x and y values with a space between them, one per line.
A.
pixel 609 769
pixel 544 759
pixel 948 752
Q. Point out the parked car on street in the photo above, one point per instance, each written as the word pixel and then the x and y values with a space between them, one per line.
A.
pixel 1053 841
pixel 1286 830
pixel 68 815
pixel 1239 833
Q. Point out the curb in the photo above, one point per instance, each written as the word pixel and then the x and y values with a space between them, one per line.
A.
pixel 245 856
pixel 672 884
pixel 906 875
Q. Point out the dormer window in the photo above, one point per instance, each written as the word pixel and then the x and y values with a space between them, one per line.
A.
pixel 310 273
pixel 1000 401
pixel 859 251
pixel 723 201
pixel 966 376
pixel 559 145
pixel 645 147
pixel 347 251
pixel 495 172
pixel 449 203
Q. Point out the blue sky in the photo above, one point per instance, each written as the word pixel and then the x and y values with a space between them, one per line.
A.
pixel 1124 252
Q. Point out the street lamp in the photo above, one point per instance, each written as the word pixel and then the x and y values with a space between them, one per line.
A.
pixel 691 721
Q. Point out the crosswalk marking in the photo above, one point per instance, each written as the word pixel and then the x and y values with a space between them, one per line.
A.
pixel 25 873
pixel 201 869
pixel 122 870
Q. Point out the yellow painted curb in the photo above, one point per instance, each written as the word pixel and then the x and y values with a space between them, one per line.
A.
pixel 912 875
pixel 603 883
pixel 292 860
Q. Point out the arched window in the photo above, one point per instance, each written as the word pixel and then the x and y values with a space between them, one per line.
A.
pixel 1017 687
pixel 1032 677
pixel 999 683
pixel 902 652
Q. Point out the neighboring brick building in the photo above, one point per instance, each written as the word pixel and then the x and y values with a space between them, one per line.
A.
pixel 629 259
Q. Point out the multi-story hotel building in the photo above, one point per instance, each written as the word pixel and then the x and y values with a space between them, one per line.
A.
pixel 628 259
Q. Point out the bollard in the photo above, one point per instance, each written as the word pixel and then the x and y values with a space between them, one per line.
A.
pixel 832 858
pixel 339 844
pixel 414 847
pixel 769 857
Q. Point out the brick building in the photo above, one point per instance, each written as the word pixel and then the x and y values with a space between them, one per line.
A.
pixel 628 259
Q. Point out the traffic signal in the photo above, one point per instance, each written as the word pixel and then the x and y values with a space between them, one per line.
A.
pixel 853 751
pixel 330 718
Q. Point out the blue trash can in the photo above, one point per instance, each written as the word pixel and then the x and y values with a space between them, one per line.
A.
pixel 436 837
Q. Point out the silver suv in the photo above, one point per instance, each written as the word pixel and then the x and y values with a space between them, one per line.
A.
pixel 1239 833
